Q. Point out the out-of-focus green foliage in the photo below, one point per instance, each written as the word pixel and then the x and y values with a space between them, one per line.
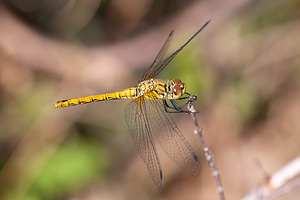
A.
pixel 76 163
pixel 249 106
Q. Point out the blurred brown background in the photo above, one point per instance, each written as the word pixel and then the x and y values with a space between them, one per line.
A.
pixel 244 68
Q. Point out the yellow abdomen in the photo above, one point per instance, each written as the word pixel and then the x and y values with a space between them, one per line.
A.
pixel 130 93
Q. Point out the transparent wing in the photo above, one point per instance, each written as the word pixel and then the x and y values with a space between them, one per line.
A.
pixel 138 124
pixel 158 58
pixel 170 138
pixel 159 63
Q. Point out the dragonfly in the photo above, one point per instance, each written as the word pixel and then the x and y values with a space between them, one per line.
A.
pixel 148 115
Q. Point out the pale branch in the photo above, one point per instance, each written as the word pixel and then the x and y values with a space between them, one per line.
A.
pixel 208 154
pixel 277 184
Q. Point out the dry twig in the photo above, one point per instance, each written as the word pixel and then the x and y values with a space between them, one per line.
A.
pixel 278 184
pixel 207 152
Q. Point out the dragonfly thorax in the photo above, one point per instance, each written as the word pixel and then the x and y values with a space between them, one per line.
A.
pixel 158 89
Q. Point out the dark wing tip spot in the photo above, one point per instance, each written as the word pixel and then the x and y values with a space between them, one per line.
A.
pixel 197 169
pixel 161 181
pixel 195 157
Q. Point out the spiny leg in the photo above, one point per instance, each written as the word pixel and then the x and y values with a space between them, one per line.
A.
pixel 173 109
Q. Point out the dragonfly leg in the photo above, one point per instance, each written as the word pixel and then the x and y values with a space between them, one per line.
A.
pixel 174 108
pixel 187 96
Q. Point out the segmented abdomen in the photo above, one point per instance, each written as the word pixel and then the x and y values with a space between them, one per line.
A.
pixel 130 93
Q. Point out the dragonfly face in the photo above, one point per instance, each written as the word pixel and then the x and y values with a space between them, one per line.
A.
pixel 147 117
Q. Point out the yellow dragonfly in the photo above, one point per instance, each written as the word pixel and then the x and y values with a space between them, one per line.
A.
pixel 148 117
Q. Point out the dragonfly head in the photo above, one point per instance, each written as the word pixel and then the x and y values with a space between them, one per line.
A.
pixel 178 88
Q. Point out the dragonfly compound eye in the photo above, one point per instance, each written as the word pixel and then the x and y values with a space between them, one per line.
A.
pixel 177 81
pixel 177 90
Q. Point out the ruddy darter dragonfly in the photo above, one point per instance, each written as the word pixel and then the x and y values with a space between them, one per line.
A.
pixel 147 116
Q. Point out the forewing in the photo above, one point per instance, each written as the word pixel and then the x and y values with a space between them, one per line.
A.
pixel 158 59
pixel 158 67
pixel 170 138
pixel 138 124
